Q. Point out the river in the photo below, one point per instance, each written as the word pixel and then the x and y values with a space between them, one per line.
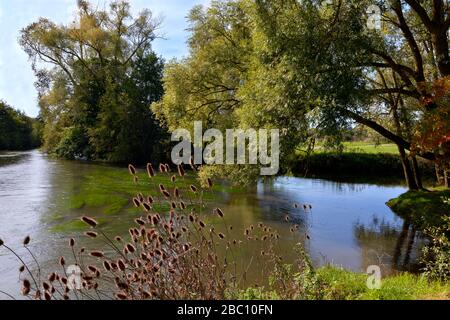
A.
pixel 349 224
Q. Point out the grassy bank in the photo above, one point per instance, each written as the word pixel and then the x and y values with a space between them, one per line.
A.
pixel 343 284
pixel 424 209
pixel 334 283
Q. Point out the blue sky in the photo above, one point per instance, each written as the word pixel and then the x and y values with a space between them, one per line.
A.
pixel 16 76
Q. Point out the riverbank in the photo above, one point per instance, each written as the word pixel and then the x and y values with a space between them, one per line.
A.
pixel 425 209
pixel 334 283
pixel 354 164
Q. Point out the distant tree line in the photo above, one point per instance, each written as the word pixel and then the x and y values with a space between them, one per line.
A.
pixel 17 131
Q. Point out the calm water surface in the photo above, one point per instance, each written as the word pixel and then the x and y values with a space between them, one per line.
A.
pixel 349 224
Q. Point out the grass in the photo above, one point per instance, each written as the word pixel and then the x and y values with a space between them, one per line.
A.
pixel 423 208
pixel 339 284
pixel 363 147
pixel 370 147
pixel 358 159
pixel 345 285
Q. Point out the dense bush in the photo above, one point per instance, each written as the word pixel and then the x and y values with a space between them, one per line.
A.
pixel 436 256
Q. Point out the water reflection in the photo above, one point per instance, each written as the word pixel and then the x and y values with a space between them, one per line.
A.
pixel 348 223
pixel 392 246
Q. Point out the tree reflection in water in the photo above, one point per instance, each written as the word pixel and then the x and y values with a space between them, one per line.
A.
pixel 391 246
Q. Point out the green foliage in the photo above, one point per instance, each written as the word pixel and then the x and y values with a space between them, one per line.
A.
pixel 301 66
pixel 73 143
pixel 340 284
pixel 17 131
pixel 436 255
pixel 346 285
pixel 425 209
pixel 95 100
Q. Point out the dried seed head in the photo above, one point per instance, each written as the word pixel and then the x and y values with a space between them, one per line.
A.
pixel 136 202
pixel 219 212
pixel 52 277
pixel 162 168
pixel 121 296
pixel 146 206
pixel 173 178
pixel 130 248
pixel 72 242
pixel 209 182
pixel 89 221
pixel 92 269
pixel 192 164
pixel 26 241
pixel 121 265
pixel 22 269
pixel 46 286
pixel 26 284
pixel 47 295
pixel 97 254
pixel 1 242
pixel 91 234
pixel 176 192
pixel 166 193
pixel 107 265
pixel 221 236
pixel 62 261
pixel 140 222
pixel 132 169
pixel 26 287
pixel 150 171
pixel 181 170
pixel 118 239
pixel 193 188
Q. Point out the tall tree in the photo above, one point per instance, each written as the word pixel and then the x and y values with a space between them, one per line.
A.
pixel 94 100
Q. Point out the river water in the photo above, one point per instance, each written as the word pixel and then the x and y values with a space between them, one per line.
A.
pixel 349 224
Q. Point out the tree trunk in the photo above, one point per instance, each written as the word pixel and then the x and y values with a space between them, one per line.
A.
pixel 409 175
pixel 417 173
pixel 445 176
pixel 437 169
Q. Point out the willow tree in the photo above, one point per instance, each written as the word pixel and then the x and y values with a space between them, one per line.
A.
pixel 96 79
pixel 338 60
pixel 303 65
